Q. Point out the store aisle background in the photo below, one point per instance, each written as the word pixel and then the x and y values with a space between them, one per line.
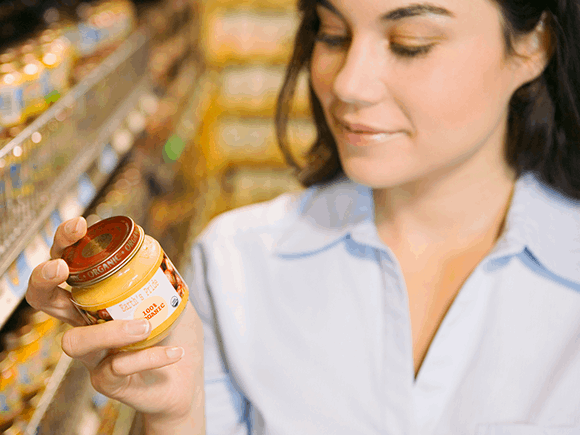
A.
pixel 160 110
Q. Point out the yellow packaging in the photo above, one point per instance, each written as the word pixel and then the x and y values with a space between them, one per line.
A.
pixel 11 96
pixel 253 90
pixel 238 35
pixel 47 327
pixel 253 140
pixel 57 59
pixel 119 273
pixel 26 348
pixel 35 86
pixel 10 397
pixel 249 185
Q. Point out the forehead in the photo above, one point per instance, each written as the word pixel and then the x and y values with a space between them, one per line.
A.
pixel 397 10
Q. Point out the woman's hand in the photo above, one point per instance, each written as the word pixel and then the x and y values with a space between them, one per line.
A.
pixel 165 382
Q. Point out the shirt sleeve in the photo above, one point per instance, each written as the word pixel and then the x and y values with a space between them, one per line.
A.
pixel 226 408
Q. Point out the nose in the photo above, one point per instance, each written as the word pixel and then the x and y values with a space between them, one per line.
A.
pixel 359 79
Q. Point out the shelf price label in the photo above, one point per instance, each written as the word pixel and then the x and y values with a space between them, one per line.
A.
pixel 8 300
pixel 36 252
pixel 70 207
pixel 86 190
pixel 108 160
pixel 49 229
pixel 18 274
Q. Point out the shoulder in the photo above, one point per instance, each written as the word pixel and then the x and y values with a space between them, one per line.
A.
pixel 270 217
pixel 276 216
pixel 548 223
pixel 254 226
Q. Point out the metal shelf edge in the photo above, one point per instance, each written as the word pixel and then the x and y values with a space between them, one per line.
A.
pixel 79 166
pixel 53 384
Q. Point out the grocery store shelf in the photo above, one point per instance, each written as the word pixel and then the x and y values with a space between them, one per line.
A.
pixel 123 54
pixel 73 189
pixel 124 420
pixel 73 192
pixel 51 389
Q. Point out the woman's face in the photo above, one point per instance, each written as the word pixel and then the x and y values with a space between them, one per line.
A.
pixel 411 90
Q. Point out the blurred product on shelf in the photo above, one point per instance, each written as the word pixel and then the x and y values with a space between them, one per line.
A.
pixel 165 18
pixel 248 35
pixel 108 414
pixel 29 354
pixel 21 422
pixel 253 140
pixel 32 161
pixel 11 90
pixel 14 430
pixel 250 4
pixel 248 185
pixel 95 26
pixel 48 328
pixel 57 57
pixel 35 87
pixel 26 345
pixel 252 90
pixel 11 403
pixel 37 72
pixel 127 193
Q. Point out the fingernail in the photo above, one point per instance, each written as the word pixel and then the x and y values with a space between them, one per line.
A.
pixel 78 225
pixel 50 270
pixel 73 226
pixel 175 352
pixel 137 327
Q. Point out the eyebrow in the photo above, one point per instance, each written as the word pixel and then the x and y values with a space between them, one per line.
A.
pixel 413 10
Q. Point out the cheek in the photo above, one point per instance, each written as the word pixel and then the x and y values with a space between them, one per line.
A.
pixel 464 87
pixel 323 69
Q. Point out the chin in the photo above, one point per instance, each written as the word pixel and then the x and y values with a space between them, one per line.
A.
pixel 377 174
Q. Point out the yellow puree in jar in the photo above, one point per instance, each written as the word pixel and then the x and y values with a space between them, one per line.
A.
pixel 124 283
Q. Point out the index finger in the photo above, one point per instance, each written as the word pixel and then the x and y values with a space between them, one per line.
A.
pixel 68 233
pixel 44 293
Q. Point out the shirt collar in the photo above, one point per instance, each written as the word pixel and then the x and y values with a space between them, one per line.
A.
pixel 548 223
pixel 326 214
pixel 539 218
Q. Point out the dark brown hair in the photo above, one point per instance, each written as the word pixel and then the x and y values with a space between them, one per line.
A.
pixel 544 115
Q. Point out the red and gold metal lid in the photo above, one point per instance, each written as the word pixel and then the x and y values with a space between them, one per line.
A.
pixel 107 247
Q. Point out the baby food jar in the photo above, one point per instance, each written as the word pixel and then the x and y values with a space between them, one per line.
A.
pixel 25 345
pixel 10 398
pixel 119 273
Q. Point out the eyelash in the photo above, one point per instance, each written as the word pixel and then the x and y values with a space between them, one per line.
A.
pixel 335 42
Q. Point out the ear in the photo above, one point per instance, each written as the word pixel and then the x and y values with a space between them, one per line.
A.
pixel 533 52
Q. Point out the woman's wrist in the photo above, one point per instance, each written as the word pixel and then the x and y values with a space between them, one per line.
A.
pixel 190 424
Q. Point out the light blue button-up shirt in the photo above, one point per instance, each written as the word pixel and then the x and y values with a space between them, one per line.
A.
pixel 307 327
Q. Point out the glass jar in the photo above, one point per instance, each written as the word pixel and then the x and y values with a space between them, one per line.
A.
pixel 119 273
pixel 10 397
pixel 25 345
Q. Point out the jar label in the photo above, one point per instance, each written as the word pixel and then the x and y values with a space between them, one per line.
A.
pixel 156 301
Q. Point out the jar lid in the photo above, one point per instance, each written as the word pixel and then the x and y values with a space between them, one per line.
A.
pixel 108 245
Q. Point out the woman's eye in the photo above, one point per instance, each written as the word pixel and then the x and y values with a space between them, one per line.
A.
pixel 409 51
pixel 332 41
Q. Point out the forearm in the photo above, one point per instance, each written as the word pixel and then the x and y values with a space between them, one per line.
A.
pixel 191 422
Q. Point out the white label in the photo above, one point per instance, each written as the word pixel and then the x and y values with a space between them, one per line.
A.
pixel 155 301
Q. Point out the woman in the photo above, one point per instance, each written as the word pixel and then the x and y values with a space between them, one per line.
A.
pixel 427 282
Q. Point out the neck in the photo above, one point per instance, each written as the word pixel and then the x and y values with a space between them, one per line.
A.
pixel 455 209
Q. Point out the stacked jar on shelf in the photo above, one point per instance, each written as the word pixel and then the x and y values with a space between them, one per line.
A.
pixel 41 144
pixel 35 73
pixel 30 351
pixel 249 44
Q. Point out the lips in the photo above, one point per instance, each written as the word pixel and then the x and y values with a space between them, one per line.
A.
pixel 358 128
pixel 362 134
